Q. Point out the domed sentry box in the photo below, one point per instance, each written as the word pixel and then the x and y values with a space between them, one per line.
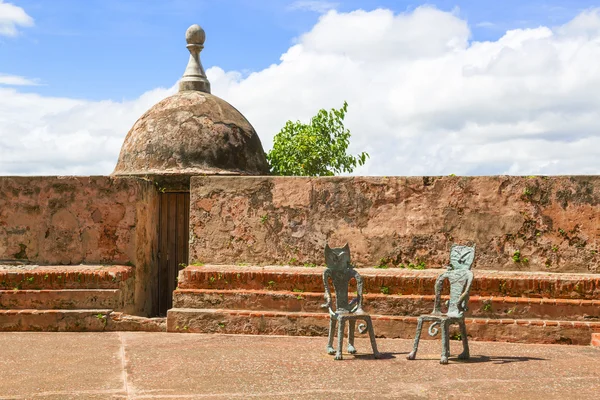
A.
pixel 190 133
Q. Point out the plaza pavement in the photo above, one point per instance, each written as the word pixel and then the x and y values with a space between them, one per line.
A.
pixel 143 365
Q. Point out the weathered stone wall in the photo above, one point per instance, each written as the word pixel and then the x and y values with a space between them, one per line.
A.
pixel 518 223
pixel 82 220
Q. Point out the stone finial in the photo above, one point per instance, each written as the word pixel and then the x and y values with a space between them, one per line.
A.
pixel 194 77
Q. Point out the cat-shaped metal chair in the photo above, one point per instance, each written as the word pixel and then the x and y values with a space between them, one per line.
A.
pixel 341 272
pixel 460 277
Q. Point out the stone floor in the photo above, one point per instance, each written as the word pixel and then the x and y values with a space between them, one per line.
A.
pixel 143 365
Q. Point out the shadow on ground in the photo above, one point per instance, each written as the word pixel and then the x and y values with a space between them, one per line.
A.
pixel 496 359
pixel 383 356
pixel 472 360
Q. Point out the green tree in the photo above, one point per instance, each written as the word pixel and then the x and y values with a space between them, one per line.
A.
pixel 314 149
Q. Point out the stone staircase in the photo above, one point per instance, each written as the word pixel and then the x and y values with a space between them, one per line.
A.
pixel 68 298
pixel 526 307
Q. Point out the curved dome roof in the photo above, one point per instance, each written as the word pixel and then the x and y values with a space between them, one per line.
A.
pixel 192 132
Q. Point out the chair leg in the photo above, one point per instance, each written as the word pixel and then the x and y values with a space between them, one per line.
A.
pixel 351 326
pixel 445 343
pixel 340 343
pixel 332 324
pixel 413 354
pixel 463 335
pixel 369 322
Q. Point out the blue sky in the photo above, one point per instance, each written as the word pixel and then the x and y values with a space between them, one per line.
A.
pixel 118 49
pixel 446 87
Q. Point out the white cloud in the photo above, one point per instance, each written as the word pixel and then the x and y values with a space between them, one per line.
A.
pixel 58 136
pixel 423 99
pixel 313 5
pixel 12 16
pixel 15 80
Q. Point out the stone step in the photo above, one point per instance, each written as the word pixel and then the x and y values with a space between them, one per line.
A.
pixel 35 277
pixel 383 304
pixel 54 320
pixel 92 320
pixel 123 322
pixel 317 324
pixel 62 299
pixel 393 281
pixel 596 339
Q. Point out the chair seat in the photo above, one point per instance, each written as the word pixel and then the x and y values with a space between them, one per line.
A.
pixel 360 314
pixel 442 317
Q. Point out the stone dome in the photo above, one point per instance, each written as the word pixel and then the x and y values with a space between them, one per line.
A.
pixel 192 132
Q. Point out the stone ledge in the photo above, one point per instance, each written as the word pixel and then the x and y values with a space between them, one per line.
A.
pixel 317 324
pixel 124 322
pixel 405 281
pixel 53 320
pixel 62 299
pixel 387 304
pixel 92 320
pixel 35 277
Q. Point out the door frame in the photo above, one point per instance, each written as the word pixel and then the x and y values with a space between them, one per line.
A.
pixel 173 244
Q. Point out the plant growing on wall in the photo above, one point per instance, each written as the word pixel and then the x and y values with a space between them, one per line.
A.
pixel 315 149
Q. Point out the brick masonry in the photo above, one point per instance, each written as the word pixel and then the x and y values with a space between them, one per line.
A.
pixel 395 280
pixel 188 320
pixel 65 277
pixel 82 220
pixel 549 224
pixel 561 308
pixel 67 287
pixel 70 298
pixel 411 305
pixel 537 241
pixel 96 320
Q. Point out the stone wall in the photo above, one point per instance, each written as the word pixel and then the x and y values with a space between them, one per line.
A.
pixel 518 223
pixel 82 220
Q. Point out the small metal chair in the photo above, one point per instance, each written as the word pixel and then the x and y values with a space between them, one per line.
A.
pixel 341 272
pixel 460 277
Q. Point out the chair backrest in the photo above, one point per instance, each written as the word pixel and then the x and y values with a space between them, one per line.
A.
pixel 341 271
pixel 460 277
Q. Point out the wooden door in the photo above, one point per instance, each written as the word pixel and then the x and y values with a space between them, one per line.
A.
pixel 173 246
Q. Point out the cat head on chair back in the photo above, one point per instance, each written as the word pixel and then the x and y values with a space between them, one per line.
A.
pixel 461 257
pixel 337 258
